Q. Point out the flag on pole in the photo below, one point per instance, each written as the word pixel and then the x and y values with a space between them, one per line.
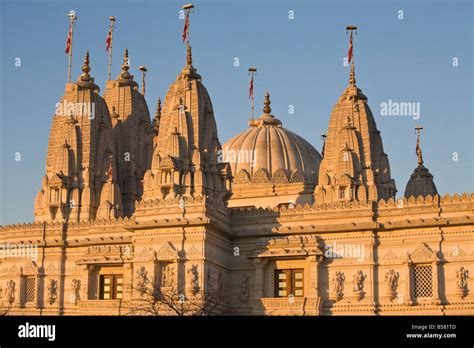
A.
pixel 251 88
pixel 108 40
pixel 349 53
pixel 186 28
pixel 69 40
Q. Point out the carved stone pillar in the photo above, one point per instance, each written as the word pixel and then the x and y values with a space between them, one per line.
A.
pixel 408 298
pixel 435 266
pixel 314 262
pixel 259 265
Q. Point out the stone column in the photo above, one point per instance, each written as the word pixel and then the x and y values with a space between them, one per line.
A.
pixel 314 262
pixel 259 265
pixel 435 266
pixel 408 300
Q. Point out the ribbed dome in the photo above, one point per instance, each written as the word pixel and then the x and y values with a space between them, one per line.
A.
pixel 268 152
pixel 421 183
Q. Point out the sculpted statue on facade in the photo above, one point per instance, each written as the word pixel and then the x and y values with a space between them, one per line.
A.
pixel 461 281
pixel 193 271
pixel 337 285
pixel 244 288
pixel 52 290
pixel 76 290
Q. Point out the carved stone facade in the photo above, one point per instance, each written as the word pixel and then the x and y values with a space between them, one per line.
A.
pixel 361 253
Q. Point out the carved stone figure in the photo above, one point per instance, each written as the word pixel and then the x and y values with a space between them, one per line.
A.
pixel 168 275
pixel 11 291
pixel 52 290
pixel 391 282
pixel 76 290
pixel 461 281
pixel 358 285
pixel 142 277
pixel 193 271
pixel 244 288
pixel 337 285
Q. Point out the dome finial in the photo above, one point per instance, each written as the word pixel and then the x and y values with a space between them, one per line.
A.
pixel 352 80
pixel 125 66
pixel 267 102
pixel 85 68
pixel 189 56
pixel 419 154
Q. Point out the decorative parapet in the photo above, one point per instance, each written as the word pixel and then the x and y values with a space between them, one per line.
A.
pixel 289 246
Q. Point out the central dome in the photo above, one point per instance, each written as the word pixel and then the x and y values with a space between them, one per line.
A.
pixel 267 153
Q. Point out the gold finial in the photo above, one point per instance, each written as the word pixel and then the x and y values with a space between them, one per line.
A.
pixel 267 102
pixel 125 65
pixel 352 79
pixel 85 77
pixel 86 68
pixel 189 56
pixel 419 154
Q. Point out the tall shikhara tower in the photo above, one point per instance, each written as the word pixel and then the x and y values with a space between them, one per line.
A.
pixel 133 134
pixel 80 181
pixel 354 165
pixel 185 160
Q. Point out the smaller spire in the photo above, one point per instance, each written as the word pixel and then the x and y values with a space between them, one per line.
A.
pixel 352 80
pixel 267 102
pixel 156 120
pixel 189 56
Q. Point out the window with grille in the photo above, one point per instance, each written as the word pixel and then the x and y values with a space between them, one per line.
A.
pixel 29 288
pixel 111 286
pixel 342 193
pixel 289 282
pixel 423 278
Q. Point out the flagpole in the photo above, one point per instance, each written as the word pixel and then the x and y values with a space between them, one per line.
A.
pixel 72 18
pixel 252 73
pixel 143 70
pixel 111 30
pixel 187 10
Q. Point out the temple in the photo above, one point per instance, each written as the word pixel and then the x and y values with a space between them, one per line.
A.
pixel 264 224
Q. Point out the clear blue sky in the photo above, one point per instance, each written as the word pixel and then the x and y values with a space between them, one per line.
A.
pixel 299 61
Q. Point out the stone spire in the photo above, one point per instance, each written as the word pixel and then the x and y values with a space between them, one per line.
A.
pixel 355 166
pixel 185 159
pixel 421 181
pixel 133 134
pixel 156 120
pixel 80 144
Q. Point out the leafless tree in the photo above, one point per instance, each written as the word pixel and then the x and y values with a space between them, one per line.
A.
pixel 168 300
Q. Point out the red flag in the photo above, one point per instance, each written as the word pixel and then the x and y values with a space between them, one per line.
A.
pixel 186 28
pixel 108 41
pixel 349 53
pixel 251 88
pixel 69 40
